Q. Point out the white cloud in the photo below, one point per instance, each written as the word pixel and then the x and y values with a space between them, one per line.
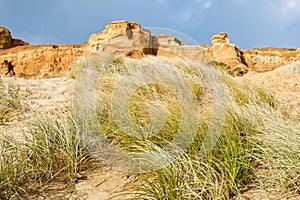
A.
pixel 288 5
pixel 289 12
pixel 205 3
pixel 194 9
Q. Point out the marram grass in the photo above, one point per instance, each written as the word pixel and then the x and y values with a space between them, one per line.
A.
pixel 257 149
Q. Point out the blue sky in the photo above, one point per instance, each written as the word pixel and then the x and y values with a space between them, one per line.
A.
pixel 249 23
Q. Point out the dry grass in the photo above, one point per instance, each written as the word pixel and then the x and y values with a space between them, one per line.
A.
pixel 232 167
pixel 50 151
pixel 257 149
pixel 9 102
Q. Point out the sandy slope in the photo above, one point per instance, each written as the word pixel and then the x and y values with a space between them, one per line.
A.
pixel 51 96
pixel 284 86
pixel 39 96
pixel 55 95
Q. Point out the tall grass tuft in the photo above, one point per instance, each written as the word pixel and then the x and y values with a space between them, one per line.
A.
pixel 10 103
pixel 224 173
pixel 56 148
pixel 49 151
pixel 15 169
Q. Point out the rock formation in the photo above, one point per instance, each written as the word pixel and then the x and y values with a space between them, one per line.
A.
pixel 112 30
pixel 130 39
pixel 6 40
pixel 133 42
pixel 166 41
pixel 224 52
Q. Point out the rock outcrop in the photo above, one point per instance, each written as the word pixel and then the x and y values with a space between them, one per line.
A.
pixel 129 39
pixel 6 40
pixel 225 52
pixel 134 43
pixel 114 29
pixel 165 41
pixel 257 60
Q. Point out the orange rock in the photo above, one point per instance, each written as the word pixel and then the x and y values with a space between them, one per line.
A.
pixel 6 40
pixel 130 39
pixel 132 42
pixel 39 61
pixel 221 38
pixel 225 52
pixel 18 42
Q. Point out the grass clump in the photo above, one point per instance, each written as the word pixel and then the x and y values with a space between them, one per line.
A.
pixel 279 157
pixel 233 71
pixel 10 103
pixel 15 171
pixel 56 148
pixel 233 165
pixel 50 151
pixel 224 173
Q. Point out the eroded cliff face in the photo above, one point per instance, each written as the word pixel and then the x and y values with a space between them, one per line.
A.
pixel 39 61
pixel 257 60
pixel 130 39
pixel 268 59
pixel 169 46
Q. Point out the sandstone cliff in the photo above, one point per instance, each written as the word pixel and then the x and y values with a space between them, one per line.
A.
pixel 268 59
pixel 130 39
pixel 38 61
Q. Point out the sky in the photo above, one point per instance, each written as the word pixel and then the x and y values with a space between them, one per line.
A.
pixel 249 23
